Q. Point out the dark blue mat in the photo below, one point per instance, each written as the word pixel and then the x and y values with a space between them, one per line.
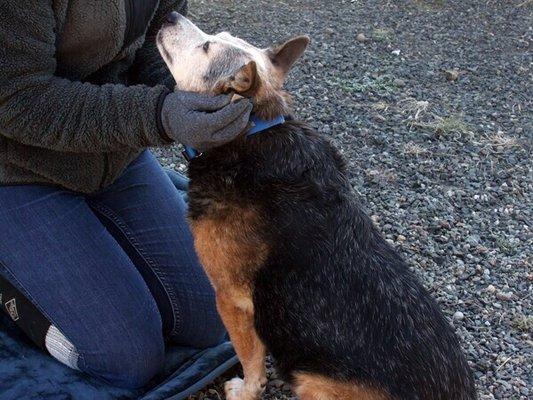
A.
pixel 28 373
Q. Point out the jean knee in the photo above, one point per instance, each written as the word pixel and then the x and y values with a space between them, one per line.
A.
pixel 212 334
pixel 130 361
pixel 200 325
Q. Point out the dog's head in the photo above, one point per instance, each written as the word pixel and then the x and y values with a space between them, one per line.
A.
pixel 222 63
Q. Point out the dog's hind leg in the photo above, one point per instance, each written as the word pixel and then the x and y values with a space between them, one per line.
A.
pixel 315 387
pixel 238 317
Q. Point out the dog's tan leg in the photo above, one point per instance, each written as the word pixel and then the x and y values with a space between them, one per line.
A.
pixel 237 314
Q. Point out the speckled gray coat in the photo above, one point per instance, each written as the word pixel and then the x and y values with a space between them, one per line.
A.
pixel 81 83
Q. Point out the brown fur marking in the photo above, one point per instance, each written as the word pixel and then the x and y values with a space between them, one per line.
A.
pixel 316 387
pixel 229 248
pixel 231 251
pixel 251 351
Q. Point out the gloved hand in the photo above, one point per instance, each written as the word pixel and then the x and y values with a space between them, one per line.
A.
pixel 202 121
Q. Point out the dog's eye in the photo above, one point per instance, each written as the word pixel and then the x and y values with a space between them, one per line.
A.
pixel 206 46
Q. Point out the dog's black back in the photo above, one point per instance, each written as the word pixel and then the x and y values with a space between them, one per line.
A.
pixel 333 297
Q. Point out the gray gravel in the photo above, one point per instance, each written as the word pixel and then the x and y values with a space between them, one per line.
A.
pixel 430 101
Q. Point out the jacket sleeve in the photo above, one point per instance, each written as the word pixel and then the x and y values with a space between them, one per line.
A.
pixel 149 68
pixel 40 109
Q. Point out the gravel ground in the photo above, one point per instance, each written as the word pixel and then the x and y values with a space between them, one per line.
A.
pixel 430 102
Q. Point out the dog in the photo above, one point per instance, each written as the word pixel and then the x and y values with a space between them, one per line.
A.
pixel 299 270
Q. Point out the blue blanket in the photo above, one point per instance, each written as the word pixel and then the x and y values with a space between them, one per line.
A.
pixel 28 373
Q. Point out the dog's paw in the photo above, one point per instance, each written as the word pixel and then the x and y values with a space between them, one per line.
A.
pixel 234 389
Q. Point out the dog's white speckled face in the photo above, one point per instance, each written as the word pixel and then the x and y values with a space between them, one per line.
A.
pixel 198 60
pixel 218 63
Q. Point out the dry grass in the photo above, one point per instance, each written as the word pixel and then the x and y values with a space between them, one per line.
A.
pixel 452 124
pixel 525 3
pixel 414 108
pixel 381 175
pixel 379 85
pixel 381 106
pixel 451 127
pixel 382 34
pixel 498 142
pixel 523 323
pixel 429 2
pixel 413 149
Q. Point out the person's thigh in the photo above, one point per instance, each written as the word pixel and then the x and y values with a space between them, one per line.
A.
pixel 145 213
pixel 57 252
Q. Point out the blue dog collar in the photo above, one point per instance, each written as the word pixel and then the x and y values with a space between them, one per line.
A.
pixel 260 125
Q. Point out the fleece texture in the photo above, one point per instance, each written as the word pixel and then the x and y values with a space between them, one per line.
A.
pixel 28 373
pixel 77 103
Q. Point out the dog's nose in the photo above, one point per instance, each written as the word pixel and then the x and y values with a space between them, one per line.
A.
pixel 173 17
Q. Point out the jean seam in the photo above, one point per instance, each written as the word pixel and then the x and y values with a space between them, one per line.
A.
pixel 27 294
pixel 151 263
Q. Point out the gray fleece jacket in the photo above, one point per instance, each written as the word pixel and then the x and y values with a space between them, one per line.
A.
pixel 81 86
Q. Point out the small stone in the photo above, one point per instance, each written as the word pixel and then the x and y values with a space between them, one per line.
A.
pixel 504 296
pixel 361 38
pixel 401 238
pixel 491 289
pixel 399 83
pixel 451 74
pixel 458 316
pixel 277 383
pixel 396 52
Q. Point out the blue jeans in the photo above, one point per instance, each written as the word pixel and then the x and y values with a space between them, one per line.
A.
pixel 115 272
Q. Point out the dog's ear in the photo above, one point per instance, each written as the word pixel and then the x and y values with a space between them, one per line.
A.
pixel 284 56
pixel 244 82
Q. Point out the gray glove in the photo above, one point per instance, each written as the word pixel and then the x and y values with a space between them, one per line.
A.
pixel 202 121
